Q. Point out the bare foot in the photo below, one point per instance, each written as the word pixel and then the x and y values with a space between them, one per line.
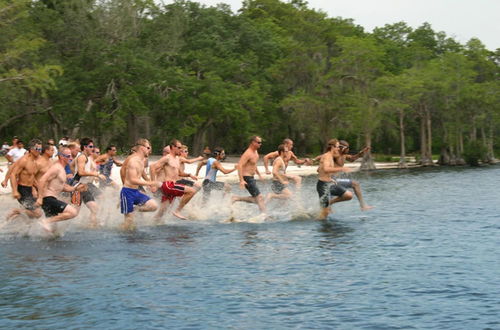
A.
pixel 14 213
pixel 324 213
pixel 367 207
pixel 47 226
pixel 178 215
pixel 128 226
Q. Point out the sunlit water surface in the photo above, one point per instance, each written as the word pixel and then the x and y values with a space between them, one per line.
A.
pixel 426 257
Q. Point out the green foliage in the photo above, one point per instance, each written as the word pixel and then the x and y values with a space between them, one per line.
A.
pixel 118 70
pixel 474 152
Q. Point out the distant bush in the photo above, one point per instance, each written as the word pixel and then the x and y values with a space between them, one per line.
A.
pixel 474 151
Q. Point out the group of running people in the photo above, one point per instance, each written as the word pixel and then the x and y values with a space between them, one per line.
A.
pixel 59 180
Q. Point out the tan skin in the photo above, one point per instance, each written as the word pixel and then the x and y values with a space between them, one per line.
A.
pixel 132 173
pixel 287 157
pixel 44 162
pixel 170 166
pixel 52 183
pixel 279 167
pixel 81 160
pixel 247 166
pixel 325 170
pixel 340 161
pixel 24 173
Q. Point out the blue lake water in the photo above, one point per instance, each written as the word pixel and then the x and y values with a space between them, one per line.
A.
pixel 426 257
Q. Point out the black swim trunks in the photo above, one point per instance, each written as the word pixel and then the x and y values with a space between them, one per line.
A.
pixel 91 193
pixel 185 182
pixel 327 189
pixel 27 200
pixel 52 206
pixel 251 185
pixel 277 187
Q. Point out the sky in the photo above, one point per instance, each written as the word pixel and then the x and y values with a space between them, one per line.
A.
pixel 460 19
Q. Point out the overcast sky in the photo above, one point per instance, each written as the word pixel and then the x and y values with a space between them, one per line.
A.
pixel 460 19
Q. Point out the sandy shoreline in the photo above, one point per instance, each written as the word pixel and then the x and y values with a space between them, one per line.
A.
pixel 233 177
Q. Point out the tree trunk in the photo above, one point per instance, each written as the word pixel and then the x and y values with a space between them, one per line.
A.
pixel 367 162
pixel 460 149
pixel 199 138
pixel 425 160
pixel 429 134
pixel 402 138
pixel 489 143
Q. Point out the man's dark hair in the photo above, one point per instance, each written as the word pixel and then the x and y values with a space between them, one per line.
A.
pixel 46 147
pixel 85 142
pixel 111 146
pixel 174 142
pixel 217 151
pixel 281 148
pixel 19 142
pixel 33 143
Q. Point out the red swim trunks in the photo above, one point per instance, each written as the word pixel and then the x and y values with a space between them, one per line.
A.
pixel 170 190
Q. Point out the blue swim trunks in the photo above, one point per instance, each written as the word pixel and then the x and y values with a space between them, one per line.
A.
pixel 130 197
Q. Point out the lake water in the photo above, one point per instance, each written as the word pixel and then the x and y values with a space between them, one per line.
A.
pixel 426 257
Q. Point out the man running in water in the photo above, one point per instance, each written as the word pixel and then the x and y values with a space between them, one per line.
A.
pixel 45 161
pixel 280 182
pixel 51 184
pixel 106 162
pixel 287 156
pixel 132 173
pixel 86 173
pixel 184 160
pixel 170 165
pixel 213 165
pixel 326 186
pixel 22 180
pixel 247 168
pixel 348 183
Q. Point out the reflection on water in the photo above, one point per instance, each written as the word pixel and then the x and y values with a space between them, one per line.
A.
pixel 424 258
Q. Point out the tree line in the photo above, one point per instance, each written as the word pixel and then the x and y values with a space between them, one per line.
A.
pixel 117 70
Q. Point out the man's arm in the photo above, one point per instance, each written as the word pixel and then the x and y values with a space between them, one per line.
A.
pixel 117 162
pixel 135 177
pixel 200 165
pixel 298 161
pixel 330 167
pixel 352 158
pixel 13 176
pixel 243 160
pixel 192 160
pixel 219 166
pixel 156 166
pixel 270 155
pixel 101 159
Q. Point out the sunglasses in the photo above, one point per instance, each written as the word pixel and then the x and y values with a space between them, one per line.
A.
pixel 38 149
pixel 142 145
pixel 258 142
pixel 65 156
pixel 90 146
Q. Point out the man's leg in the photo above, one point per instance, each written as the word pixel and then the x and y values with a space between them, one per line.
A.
pixel 69 212
pixel 344 197
pixel 188 194
pixel 94 208
pixel 357 190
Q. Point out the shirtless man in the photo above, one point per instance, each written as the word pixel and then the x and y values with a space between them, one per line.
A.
pixel 106 162
pixel 247 167
pixel 184 160
pixel 348 183
pixel 22 180
pixel 44 161
pixel 132 172
pixel 86 173
pixel 288 155
pixel 326 186
pixel 213 165
pixel 280 182
pixel 50 185
pixel 170 165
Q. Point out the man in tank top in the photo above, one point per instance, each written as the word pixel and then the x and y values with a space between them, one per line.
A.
pixel 214 165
